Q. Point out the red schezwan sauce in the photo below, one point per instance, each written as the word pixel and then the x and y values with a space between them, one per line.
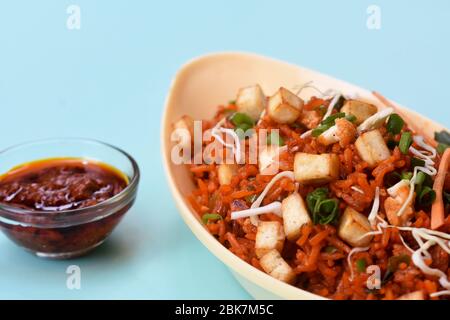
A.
pixel 56 185
pixel 60 184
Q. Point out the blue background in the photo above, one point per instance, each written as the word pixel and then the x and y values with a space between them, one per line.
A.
pixel 109 81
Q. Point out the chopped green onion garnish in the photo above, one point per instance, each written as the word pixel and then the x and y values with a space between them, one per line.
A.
pixel 330 120
pixel 211 216
pixel 232 102
pixel 340 103
pixel 415 162
pixel 420 178
pixel 328 123
pixel 426 196
pixel 442 137
pixel 395 124
pixel 405 142
pixel 239 118
pixel 274 138
pixel 361 265
pixel 393 263
pixel 350 118
pixel 251 198
pixel 442 147
pixel 330 249
pixel 407 175
pixel 322 209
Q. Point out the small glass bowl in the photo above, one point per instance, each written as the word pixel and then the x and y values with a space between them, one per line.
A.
pixel 71 233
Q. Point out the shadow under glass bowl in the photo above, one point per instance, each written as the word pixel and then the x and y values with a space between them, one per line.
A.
pixel 70 233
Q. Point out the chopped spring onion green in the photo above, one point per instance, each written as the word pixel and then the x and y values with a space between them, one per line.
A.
pixel 274 138
pixel 420 179
pixel 322 110
pixel 426 196
pixel 441 147
pixel 405 142
pixel 416 162
pixel 361 265
pixel 407 175
pixel 395 124
pixel 232 102
pixel 393 263
pixel 211 216
pixel 239 118
pixel 242 123
pixel 331 121
pixel 330 249
pixel 351 118
pixel 340 103
pixel 442 137
pixel 251 198
pixel 323 210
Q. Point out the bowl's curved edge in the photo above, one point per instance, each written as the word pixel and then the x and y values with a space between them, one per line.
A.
pixel 237 265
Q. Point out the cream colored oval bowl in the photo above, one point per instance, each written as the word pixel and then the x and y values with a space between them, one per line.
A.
pixel 198 88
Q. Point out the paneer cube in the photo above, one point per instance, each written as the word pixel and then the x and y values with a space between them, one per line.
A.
pixel 361 110
pixel 295 215
pixel 316 169
pixel 267 160
pixel 274 265
pixel 416 295
pixel 269 236
pixel 251 101
pixel 284 106
pixel 353 227
pixel 372 148
pixel 225 173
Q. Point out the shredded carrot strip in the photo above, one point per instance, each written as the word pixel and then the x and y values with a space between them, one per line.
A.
pixel 437 210
pixel 306 230
pixel 242 194
pixel 314 241
pixel 201 168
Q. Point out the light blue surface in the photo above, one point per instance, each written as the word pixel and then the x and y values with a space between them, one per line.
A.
pixel 109 80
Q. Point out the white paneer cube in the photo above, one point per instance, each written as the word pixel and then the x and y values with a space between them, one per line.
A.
pixel 316 169
pixel 372 148
pixel 361 110
pixel 251 101
pixel 416 295
pixel 353 227
pixel 295 215
pixel 268 160
pixel 269 236
pixel 284 106
pixel 274 265
pixel 225 173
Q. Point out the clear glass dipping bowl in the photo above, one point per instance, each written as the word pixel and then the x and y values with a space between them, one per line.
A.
pixel 71 233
